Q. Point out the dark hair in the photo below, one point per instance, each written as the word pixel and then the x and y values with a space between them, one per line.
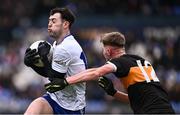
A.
pixel 114 39
pixel 66 14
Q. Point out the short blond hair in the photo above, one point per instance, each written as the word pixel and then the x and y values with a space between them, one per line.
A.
pixel 113 39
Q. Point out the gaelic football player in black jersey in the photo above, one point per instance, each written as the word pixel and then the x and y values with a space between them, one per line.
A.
pixel 137 75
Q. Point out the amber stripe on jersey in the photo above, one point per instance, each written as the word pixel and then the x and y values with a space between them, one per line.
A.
pixel 136 75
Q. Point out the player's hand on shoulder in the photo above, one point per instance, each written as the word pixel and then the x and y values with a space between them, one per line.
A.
pixel 56 84
pixel 43 49
pixel 30 57
pixel 107 85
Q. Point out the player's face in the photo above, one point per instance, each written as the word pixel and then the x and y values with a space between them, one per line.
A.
pixel 55 26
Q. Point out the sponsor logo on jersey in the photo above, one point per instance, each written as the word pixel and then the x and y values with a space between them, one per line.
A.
pixel 60 62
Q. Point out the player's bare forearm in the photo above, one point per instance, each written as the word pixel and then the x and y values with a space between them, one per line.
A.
pixel 90 74
pixel 86 75
pixel 123 97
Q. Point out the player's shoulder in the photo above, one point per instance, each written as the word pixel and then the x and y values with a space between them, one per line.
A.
pixel 127 59
pixel 131 57
pixel 124 57
pixel 70 43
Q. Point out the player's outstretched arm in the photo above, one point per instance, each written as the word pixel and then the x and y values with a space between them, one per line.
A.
pixel 57 84
pixel 107 85
pixel 90 74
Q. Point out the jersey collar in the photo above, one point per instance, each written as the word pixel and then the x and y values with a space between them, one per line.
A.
pixel 63 39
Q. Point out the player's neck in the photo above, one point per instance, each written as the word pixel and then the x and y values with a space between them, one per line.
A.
pixel 118 54
pixel 62 36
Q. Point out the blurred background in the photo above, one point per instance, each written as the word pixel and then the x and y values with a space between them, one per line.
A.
pixel 151 28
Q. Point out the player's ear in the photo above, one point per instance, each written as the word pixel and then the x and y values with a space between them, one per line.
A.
pixel 108 51
pixel 66 24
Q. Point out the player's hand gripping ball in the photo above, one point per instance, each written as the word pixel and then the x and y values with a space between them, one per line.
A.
pixel 35 46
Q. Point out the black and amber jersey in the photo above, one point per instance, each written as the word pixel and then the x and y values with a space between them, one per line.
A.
pixel 144 90
pixel 133 69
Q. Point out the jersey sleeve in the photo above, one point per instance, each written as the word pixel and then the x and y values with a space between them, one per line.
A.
pixel 61 60
pixel 121 67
